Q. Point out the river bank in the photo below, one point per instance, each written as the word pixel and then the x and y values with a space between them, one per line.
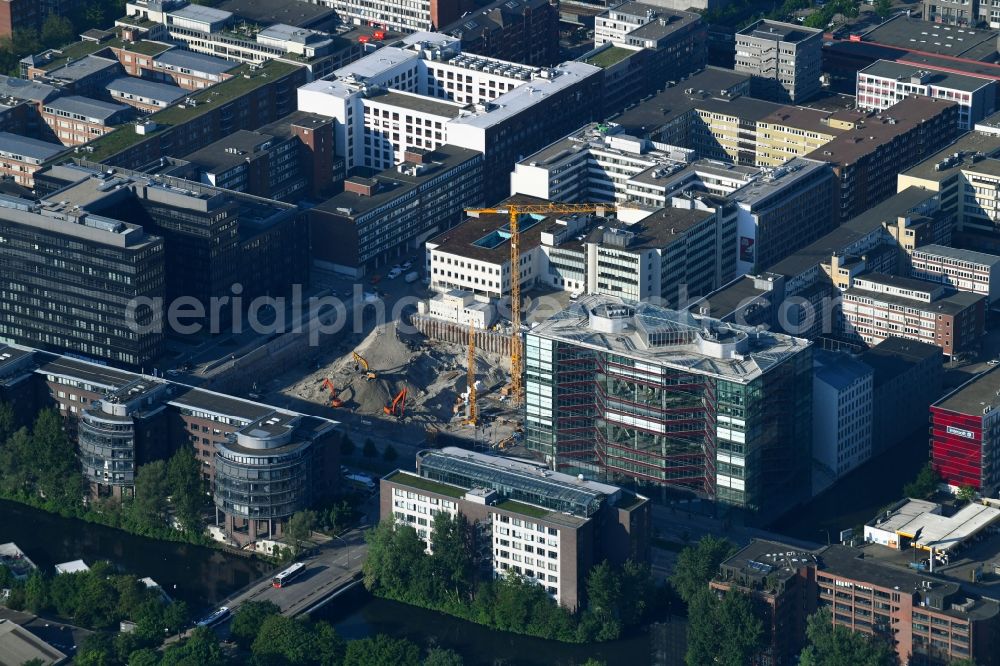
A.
pixel 198 575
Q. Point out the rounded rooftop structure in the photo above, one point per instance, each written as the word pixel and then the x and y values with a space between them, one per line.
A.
pixel 611 317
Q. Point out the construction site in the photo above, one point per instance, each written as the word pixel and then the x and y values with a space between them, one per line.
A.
pixel 427 389
pixel 416 384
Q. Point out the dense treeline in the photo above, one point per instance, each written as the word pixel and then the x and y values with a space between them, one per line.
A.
pixel 446 580
pixel 264 637
pixel 39 467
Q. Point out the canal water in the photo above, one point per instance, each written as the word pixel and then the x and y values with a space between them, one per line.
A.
pixel 203 576
pixel 198 575
pixel 359 615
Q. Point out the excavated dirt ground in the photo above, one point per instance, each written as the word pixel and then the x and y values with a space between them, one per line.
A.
pixel 433 373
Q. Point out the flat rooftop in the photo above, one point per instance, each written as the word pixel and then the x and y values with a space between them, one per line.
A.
pixel 417 103
pixel 975 395
pixel 786 32
pixel 879 128
pixel 888 69
pixel 82 68
pixel 976 151
pixel 904 203
pixel 36 91
pixel 228 152
pixel 196 62
pixel 132 85
pixel 291 12
pixel 393 183
pixel 932 530
pixel 650 115
pixel 950 305
pixel 772 188
pixel 20 646
pixel 461 239
pixel 206 100
pixel 948 40
pixel 15 144
pixel 970 256
pixel 85 106
pixel 895 356
pixel 680 338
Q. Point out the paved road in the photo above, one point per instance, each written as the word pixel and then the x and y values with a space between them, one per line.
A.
pixel 335 564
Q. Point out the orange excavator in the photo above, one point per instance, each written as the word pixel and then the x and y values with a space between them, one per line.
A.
pixel 334 400
pixel 398 405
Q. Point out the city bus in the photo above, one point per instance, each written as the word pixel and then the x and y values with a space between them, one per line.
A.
pixel 287 575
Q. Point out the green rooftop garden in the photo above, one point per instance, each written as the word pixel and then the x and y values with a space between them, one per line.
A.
pixel 75 51
pixel 609 56
pixel 146 48
pixel 205 100
pixel 523 509
pixel 419 482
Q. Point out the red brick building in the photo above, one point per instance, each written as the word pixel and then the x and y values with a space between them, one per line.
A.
pixel 931 621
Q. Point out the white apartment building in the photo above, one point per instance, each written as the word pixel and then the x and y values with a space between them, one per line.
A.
pixel 648 255
pixel 885 82
pixel 416 509
pixel 842 416
pixel 962 270
pixel 599 162
pixel 544 526
pixel 435 94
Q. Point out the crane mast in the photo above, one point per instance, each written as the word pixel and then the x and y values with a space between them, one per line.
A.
pixel 471 376
pixel 513 211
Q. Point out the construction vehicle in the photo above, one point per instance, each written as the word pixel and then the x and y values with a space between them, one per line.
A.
pixel 513 211
pixel 361 362
pixel 398 405
pixel 470 378
pixel 334 400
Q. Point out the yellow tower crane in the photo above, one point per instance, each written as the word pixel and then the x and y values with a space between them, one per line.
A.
pixel 514 211
pixel 470 417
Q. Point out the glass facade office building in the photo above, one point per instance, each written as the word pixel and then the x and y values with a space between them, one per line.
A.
pixel 629 391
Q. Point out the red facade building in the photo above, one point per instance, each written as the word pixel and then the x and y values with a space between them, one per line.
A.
pixel 965 428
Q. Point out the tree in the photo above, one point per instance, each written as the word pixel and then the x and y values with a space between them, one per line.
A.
pixel 724 632
pixel 149 508
pixel 697 565
pixel 967 493
pixel 96 650
pixel 53 454
pixel 34 662
pixel 389 454
pixel 248 620
pixel 369 450
pixel 282 640
pixel 200 649
pixel 56 31
pixel 347 446
pixel 442 657
pixel 830 645
pixel 300 526
pixel 451 560
pixel 144 657
pixel 8 421
pixel 36 592
pixel 925 485
pixel 883 8
pixel 382 650
pixel 604 600
pixel 186 487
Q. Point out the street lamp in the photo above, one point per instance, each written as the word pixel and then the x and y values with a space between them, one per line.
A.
pixel 336 536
